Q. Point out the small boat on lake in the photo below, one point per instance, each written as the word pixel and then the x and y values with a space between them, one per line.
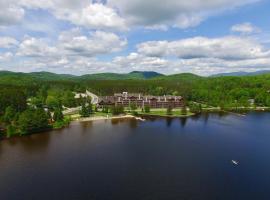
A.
pixel 235 162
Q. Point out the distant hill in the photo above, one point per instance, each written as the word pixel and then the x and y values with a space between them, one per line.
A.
pixel 183 76
pixel 146 74
pixel 34 75
pixel 8 76
pixel 242 73
pixel 51 76
pixel 114 76
pixel 13 77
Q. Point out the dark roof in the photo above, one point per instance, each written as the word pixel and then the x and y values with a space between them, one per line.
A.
pixel 128 95
pixel 106 99
pixel 144 97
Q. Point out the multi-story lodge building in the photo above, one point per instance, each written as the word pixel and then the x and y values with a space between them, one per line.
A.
pixel 126 99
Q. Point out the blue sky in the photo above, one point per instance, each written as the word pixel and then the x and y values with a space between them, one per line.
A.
pixel 80 37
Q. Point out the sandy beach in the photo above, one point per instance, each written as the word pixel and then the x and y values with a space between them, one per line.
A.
pixel 104 118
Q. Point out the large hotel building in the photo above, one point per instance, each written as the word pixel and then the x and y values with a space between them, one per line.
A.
pixel 126 99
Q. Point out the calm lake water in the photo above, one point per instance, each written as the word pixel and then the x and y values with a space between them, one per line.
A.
pixel 156 159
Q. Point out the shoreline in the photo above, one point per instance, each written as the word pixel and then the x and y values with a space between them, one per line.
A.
pixel 166 116
pixel 98 118
pixel 130 116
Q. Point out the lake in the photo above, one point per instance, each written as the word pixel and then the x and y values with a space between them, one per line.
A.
pixel 128 159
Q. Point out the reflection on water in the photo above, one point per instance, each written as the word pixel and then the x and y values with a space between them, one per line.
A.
pixel 169 121
pixel 133 123
pixel 183 121
pixel 86 126
pixel 196 117
pixel 35 142
pixel 115 121
pixel 206 117
pixel 161 158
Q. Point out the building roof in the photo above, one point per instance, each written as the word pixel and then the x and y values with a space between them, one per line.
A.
pixel 106 99
pixel 145 96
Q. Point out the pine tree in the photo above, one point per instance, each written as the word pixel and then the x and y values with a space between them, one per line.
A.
pixel 147 109
pixel 84 111
pixel 169 110
pixel 90 108
pixel 58 115
pixel 9 115
pixel 184 110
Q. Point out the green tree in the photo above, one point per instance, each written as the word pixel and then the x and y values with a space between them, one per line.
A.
pixel 147 109
pixel 84 111
pixel 184 110
pixel 69 100
pixel 52 102
pixel 1 133
pixel 194 107
pixel 58 115
pixel 116 110
pixel 9 115
pixel 33 120
pixel 260 98
pixel 43 94
pixel 11 131
pixel 169 110
pixel 13 97
pixel 37 102
pixel 133 107
pixel 105 109
pixel 267 100
pixel 90 108
pixel 175 93
pixel 159 91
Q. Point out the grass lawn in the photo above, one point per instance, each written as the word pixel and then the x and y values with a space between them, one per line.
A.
pixel 160 112
pixel 101 114
pixel 96 114
pixel 163 113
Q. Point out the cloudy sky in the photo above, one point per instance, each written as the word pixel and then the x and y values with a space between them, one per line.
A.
pixel 173 36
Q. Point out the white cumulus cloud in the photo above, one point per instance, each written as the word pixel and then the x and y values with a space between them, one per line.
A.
pixel 10 12
pixel 120 15
pixel 4 57
pixel 34 47
pixel 179 13
pixel 95 16
pixel 81 13
pixel 227 48
pixel 90 45
pixel 245 28
pixel 7 42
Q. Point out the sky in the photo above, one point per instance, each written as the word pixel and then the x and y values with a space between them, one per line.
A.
pixel 204 37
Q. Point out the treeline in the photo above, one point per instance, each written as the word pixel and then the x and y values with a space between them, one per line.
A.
pixel 219 91
pixel 230 92
pixel 25 97
pixel 226 92
pixel 23 113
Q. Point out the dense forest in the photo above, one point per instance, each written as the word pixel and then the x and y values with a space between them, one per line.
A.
pixel 19 91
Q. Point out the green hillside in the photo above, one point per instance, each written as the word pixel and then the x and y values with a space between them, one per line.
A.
pixel 227 91
pixel 7 77
pixel 114 76
pixel 183 76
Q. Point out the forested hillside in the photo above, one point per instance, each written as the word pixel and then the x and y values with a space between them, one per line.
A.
pixel 214 91
pixel 24 96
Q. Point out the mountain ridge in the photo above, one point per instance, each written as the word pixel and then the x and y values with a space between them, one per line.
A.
pixel 242 73
pixel 134 75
